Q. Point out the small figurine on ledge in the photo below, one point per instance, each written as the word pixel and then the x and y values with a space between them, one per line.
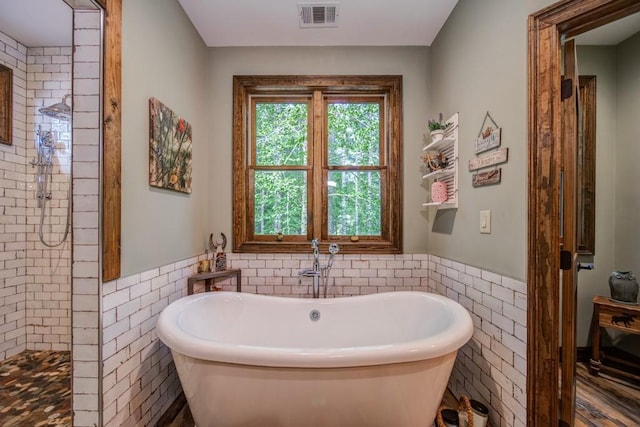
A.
pixel 219 257
pixel 204 266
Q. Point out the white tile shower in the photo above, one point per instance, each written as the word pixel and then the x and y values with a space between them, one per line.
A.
pixel 48 277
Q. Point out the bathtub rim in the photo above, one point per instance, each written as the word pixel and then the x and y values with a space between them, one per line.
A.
pixel 176 338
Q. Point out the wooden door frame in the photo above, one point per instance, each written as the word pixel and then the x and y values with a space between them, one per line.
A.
pixel 111 157
pixel 545 28
pixel 111 140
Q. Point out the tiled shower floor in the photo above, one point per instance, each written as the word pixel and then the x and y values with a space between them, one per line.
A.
pixel 35 389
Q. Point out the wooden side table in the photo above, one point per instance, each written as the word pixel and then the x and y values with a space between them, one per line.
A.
pixel 614 315
pixel 210 278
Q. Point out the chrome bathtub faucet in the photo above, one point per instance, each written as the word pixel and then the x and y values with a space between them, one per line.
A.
pixel 318 272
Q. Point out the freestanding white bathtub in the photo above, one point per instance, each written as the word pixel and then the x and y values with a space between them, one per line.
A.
pixel 254 360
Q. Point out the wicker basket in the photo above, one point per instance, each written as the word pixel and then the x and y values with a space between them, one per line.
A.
pixel 465 405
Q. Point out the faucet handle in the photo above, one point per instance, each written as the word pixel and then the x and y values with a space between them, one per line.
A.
pixel 314 244
pixel 308 272
pixel 334 248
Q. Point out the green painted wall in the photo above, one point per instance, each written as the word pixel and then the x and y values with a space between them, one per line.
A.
pixel 410 62
pixel 479 64
pixel 162 57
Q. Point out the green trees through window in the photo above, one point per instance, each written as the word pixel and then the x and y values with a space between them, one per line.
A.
pixel 280 196
pixel 354 196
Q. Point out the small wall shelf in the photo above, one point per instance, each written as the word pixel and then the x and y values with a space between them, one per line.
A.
pixel 448 147
pixel 436 145
pixel 439 173
pixel 210 278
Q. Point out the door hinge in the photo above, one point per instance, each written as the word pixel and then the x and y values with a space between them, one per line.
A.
pixel 566 260
pixel 566 89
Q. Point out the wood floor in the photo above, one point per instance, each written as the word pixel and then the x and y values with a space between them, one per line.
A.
pixel 605 401
pixel 183 419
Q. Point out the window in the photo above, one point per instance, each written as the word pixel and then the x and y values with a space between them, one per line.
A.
pixel 317 157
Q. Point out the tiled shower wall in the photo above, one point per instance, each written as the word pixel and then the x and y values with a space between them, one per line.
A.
pixel 86 217
pixel 35 294
pixel 490 368
pixel 12 208
pixel 48 280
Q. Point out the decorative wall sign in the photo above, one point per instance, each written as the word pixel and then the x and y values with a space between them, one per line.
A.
pixel 169 149
pixel 491 140
pixel 487 178
pixel 488 137
pixel 494 158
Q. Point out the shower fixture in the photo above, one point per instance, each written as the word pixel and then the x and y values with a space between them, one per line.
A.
pixel 45 147
pixel 60 111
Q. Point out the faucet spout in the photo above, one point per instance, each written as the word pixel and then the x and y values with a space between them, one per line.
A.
pixel 308 272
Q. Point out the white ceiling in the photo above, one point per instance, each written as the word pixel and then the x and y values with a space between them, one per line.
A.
pixel 37 22
pixel 361 22
pixel 275 23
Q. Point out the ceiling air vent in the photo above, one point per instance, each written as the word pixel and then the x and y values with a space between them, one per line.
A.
pixel 314 15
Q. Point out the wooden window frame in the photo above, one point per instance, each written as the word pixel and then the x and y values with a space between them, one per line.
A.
pixel 321 89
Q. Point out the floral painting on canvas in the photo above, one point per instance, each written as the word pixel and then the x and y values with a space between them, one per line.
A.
pixel 169 149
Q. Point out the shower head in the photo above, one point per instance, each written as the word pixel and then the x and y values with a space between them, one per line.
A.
pixel 60 111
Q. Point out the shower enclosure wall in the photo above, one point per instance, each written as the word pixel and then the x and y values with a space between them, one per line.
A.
pixel 35 291
pixel 12 207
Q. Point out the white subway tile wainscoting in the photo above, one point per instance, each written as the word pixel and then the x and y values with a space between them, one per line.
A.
pixel 491 368
pixel 140 381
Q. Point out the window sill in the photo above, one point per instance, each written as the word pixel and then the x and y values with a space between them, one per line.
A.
pixel 362 247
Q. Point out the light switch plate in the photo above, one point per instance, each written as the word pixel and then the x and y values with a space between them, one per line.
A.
pixel 485 222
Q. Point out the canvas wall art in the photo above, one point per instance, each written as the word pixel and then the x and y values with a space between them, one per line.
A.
pixel 169 149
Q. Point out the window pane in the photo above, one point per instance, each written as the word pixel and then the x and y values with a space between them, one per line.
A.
pixel 354 203
pixel 281 134
pixel 354 134
pixel 280 202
